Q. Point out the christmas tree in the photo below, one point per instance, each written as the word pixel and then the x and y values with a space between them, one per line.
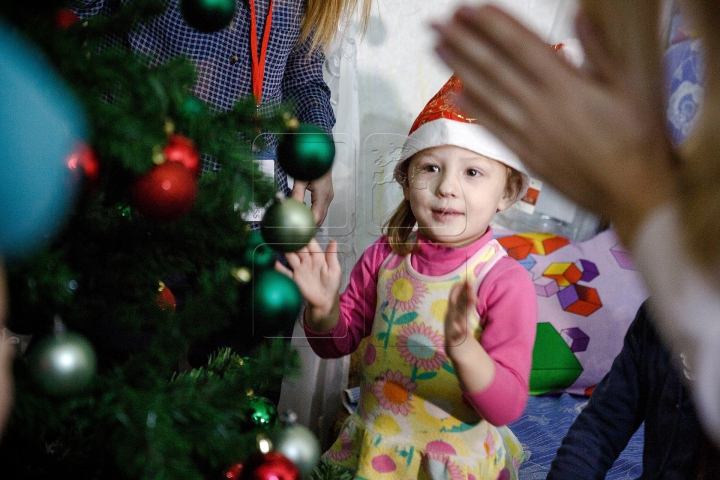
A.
pixel 153 261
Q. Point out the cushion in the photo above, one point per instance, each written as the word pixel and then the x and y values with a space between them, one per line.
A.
pixel 588 294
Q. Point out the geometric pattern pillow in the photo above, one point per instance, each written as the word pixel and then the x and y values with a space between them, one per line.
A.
pixel 588 294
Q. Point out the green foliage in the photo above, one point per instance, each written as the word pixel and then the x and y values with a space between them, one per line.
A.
pixel 327 471
pixel 147 415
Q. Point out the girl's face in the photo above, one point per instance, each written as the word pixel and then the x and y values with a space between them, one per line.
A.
pixel 454 193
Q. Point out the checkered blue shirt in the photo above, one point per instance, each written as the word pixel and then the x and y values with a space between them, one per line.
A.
pixel 223 61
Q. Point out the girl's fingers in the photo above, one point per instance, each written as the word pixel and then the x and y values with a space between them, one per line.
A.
pixel 331 256
pixel 283 269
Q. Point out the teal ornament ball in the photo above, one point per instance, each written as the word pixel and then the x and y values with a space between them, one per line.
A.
pixel 41 123
pixel 299 445
pixel 208 15
pixel 261 412
pixel 276 303
pixel 257 253
pixel 306 154
pixel 288 225
pixel 62 364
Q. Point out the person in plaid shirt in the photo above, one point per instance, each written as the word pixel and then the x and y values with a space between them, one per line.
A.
pixel 293 69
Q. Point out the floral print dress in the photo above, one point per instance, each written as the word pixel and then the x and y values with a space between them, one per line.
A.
pixel 412 422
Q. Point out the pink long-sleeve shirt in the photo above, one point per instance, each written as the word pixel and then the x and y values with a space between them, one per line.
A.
pixel 507 306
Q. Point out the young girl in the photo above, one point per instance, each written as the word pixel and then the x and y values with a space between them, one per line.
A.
pixel 449 316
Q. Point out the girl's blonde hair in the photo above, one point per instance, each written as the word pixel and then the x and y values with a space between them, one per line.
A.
pixel 401 223
pixel 323 18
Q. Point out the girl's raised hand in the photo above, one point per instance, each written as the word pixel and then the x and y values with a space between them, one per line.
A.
pixel 460 306
pixel 317 275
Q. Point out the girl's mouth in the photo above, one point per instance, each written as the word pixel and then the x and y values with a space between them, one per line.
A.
pixel 445 214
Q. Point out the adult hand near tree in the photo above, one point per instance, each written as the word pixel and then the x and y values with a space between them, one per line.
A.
pixel 322 194
pixel 596 134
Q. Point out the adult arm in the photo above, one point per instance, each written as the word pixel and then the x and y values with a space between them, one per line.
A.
pixel 303 83
pixel 508 307
pixel 687 304
pixel 613 414
pixel 357 307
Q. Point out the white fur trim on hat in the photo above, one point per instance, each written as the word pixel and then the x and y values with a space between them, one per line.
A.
pixel 470 136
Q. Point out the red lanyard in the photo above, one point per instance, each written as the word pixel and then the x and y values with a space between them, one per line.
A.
pixel 258 66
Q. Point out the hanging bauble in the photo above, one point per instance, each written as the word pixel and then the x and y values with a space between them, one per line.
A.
pixel 307 153
pixel 165 298
pixel 62 364
pixel 288 225
pixel 164 194
pixel 234 472
pixel 84 162
pixel 41 122
pixel 276 303
pixel 261 412
pixel 208 15
pixel 182 150
pixel 257 253
pixel 269 466
pixel 64 18
pixel 299 445
pixel 193 108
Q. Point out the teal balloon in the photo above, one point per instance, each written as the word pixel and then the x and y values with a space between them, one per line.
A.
pixel 62 364
pixel 306 154
pixel 41 124
pixel 277 302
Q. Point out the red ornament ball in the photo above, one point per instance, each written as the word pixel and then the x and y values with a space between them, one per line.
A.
pixel 164 194
pixel 181 149
pixel 269 466
pixel 234 472
pixel 83 161
pixel 65 18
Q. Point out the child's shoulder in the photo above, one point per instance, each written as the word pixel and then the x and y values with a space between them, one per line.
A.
pixel 378 250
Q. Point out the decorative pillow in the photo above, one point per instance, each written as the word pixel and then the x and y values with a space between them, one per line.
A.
pixel 588 294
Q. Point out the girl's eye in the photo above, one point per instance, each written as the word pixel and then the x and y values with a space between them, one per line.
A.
pixel 430 168
pixel 473 173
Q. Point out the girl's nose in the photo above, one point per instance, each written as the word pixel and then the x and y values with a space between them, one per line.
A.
pixel 447 186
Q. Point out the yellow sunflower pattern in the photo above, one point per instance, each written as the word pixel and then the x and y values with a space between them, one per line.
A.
pixel 412 422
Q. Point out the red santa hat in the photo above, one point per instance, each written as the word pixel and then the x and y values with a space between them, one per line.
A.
pixel 442 123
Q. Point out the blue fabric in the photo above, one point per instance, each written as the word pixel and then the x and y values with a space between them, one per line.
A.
pixel 292 73
pixel 643 385
pixel 544 424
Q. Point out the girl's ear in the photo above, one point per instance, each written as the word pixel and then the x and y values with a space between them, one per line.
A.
pixel 506 202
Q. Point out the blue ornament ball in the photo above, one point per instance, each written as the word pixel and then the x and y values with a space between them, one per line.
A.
pixel 41 123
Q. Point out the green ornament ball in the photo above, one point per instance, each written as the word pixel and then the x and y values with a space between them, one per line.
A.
pixel 261 412
pixel 276 303
pixel 63 364
pixel 257 253
pixel 288 225
pixel 193 108
pixel 306 154
pixel 299 445
pixel 208 15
